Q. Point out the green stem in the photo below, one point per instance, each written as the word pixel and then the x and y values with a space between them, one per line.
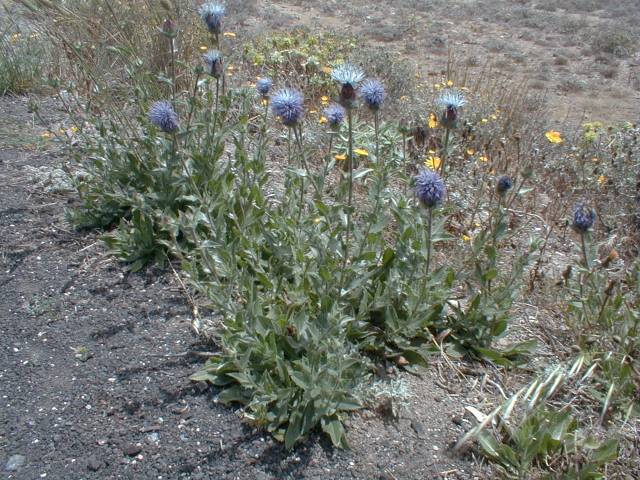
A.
pixel 376 124
pixel 585 256
pixel 350 198
pixel 429 227
pixel 445 151
pixel 173 71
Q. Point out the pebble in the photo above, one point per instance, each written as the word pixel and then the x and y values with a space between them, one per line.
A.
pixel 15 462
pixel 131 449
pixel 93 464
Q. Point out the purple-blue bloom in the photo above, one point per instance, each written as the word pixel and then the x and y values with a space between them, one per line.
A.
pixel 504 184
pixel 287 105
pixel 335 114
pixel 163 116
pixel 373 94
pixel 583 218
pixel 212 14
pixel 430 188
pixel 263 86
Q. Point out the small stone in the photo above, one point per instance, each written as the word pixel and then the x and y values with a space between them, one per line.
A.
pixel 418 428
pixel 15 462
pixel 131 450
pixel 93 464
pixel 457 420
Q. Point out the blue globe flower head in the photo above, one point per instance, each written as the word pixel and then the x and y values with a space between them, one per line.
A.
pixel 430 188
pixel 263 86
pixel 348 76
pixel 583 218
pixel 212 14
pixel 504 185
pixel 373 94
pixel 335 114
pixel 163 116
pixel 451 101
pixel 214 62
pixel 287 105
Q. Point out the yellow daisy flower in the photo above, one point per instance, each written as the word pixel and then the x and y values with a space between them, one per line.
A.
pixel 361 151
pixel 433 120
pixel 229 34
pixel 554 137
pixel 340 157
pixel 433 162
pixel 323 119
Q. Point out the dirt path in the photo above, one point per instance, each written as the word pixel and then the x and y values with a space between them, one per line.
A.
pixel 94 375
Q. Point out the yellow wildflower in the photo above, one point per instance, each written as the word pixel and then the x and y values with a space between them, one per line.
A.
pixel 324 100
pixel 313 111
pixel 601 180
pixel 361 151
pixel 340 157
pixel 483 158
pixel 449 83
pixel 204 48
pixel 323 119
pixel 493 116
pixel 433 120
pixel 554 137
pixel 317 220
pixel 484 120
pixel 229 34
pixel 466 238
pixel 264 102
pixel 433 162
pixel 327 70
pixel 46 135
pixel 470 151
pixel 437 86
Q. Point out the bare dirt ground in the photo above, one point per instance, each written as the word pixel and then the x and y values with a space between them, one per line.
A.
pixel 94 362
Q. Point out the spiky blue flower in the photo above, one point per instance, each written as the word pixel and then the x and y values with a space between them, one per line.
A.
pixel 215 63
pixel 583 218
pixel 430 188
pixel 163 116
pixel 373 94
pixel 335 114
pixel 287 105
pixel 212 14
pixel 347 74
pixel 263 86
pixel 504 185
pixel 450 101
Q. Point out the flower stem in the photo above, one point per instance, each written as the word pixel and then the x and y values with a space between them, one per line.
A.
pixel 350 198
pixel 429 231
pixel 376 124
pixel 445 150
pixel 585 256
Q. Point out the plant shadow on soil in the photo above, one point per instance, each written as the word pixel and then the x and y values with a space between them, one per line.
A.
pixel 95 366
